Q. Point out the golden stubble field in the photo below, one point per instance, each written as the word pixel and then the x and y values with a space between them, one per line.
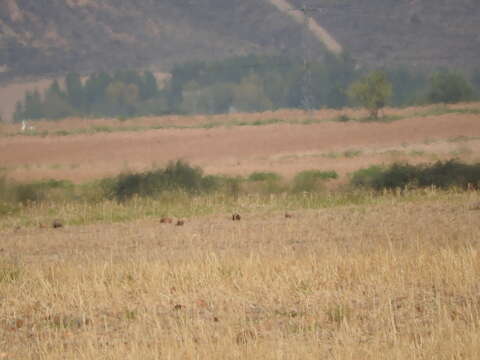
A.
pixel 396 279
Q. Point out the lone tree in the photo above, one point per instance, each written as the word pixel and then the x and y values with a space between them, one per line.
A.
pixel 372 92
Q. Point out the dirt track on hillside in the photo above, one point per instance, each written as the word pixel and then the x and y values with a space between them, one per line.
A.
pixel 317 30
pixel 284 148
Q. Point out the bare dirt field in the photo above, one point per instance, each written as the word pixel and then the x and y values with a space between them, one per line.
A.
pixel 283 147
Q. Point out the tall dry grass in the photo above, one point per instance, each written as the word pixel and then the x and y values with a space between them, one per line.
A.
pixel 396 278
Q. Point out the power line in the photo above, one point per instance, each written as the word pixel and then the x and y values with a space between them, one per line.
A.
pixel 307 97
pixel 307 82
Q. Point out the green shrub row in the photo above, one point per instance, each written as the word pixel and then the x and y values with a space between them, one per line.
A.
pixel 441 174
pixel 13 195
pixel 24 193
pixel 264 176
pixel 177 176
pixel 180 177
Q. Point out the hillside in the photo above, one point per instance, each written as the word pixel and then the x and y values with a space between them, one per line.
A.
pixel 45 37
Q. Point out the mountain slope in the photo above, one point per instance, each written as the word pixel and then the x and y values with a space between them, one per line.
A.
pixel 54 36
pixel 39 36
pixel 421 33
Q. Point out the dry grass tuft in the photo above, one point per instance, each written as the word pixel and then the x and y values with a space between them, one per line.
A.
pixel 244 337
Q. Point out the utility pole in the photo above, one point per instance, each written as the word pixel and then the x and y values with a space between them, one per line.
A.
pixel 307 97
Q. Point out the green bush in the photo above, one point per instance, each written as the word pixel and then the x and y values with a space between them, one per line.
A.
pixel 12 192
pixel 177 176
pixel 29 193
pixel 25 193
pixel 398 176
pixel 311 180
pixel 449 87
pixel 4 188
pixel 342 118
pixel 372 92
pixel 265 183
pixel 442 174
pixel 180 175
pixel 96 191
pixel 212 182
pixel 264 176
pixel 6 197
pixel 366 177
pixel 449 173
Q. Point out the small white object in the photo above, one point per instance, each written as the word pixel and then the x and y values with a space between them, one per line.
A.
pixel 26 127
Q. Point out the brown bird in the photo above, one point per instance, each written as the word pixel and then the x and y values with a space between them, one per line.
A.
pixel 57 224
pixel 236 217
pixel 288 215
pixel 180 223
pixel 166 220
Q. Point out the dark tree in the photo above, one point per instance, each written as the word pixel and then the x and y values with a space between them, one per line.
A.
pixel 449 87
pixel 75 92
pixel 149 88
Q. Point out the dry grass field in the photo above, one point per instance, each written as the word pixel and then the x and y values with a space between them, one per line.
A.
pixel 391 278
pixel 347 275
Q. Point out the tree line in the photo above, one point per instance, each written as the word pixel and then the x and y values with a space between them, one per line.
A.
pixel 124 93
pixel 247 84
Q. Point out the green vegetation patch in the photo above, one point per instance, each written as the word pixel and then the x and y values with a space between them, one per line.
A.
pixel 441 174
pixel 183 190
pixel 264 176
pixel 24 193
pixel 311 180
pixel 177 175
